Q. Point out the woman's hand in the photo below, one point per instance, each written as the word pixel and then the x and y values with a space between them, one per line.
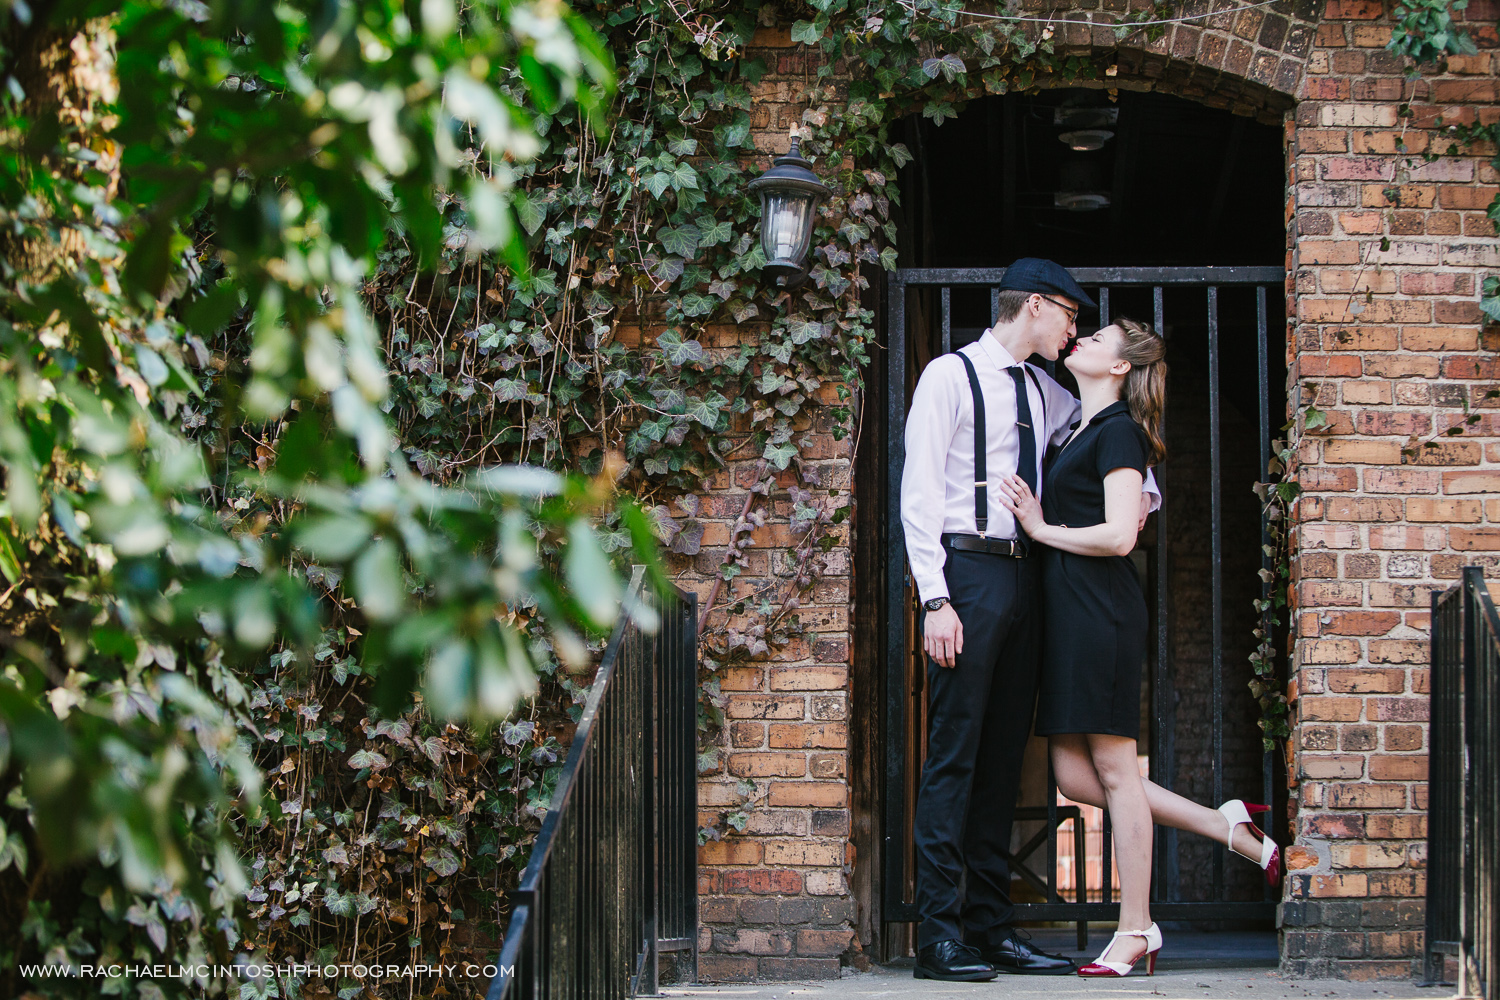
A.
pixel 1016 496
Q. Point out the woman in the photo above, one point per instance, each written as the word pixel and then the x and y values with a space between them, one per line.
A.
pixel 1094 636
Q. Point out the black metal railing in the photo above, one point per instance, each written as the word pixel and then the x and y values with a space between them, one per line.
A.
pixel 613 877
pixel 1463 849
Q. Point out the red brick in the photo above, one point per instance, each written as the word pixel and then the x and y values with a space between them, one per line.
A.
pixel 740 678
pixel 1329 651
pixel 766 707
pixel 1401 366
pixel 1362 452
pixel 1360 622
pixel 1397 884
pixel 1398 768
pixel 761 881
pixel 819 677
pixel 714 968
pixel 809 735
pixel 1330 766
pixel 1404 481
pixel 1368 856
pixel 1474 539
pixel 1410 538
pixel 1439 338
pixel 814 942
pixel 1366 680
pixel 1335 825
pixel 1384 594
pixel 1334 886
pixel 1363 509
pixel 1443 511
pixel 767 765
pixel 733 851
pixel 1399 826
pixel 753 941
pixel 817 794
pixel 1320 709
pixel 1411 709
pixel 1364 796
pixel 821 854
pixel 1471 482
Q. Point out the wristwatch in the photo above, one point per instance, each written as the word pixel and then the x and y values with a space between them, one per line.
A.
pixel 935 603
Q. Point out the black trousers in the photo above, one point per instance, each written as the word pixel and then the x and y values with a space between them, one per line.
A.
pixel 979 717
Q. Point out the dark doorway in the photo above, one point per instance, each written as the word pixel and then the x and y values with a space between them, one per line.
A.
pixel 1184 184
pixel 1174 186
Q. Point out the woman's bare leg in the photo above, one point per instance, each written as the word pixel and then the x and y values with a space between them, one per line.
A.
pixel 1076 778
pixel 1118 772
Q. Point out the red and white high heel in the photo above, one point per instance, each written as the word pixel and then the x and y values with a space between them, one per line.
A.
pixel 1102 969
pixel 1236 812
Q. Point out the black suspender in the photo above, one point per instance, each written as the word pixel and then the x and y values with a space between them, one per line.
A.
pixel 981 445
pixel 981 440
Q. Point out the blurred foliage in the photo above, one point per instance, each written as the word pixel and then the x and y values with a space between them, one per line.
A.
pixel 192 196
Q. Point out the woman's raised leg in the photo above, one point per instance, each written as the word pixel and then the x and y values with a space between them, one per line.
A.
pixel 1072 765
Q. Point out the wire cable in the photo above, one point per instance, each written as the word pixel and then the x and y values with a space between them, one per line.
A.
pixel 1117 24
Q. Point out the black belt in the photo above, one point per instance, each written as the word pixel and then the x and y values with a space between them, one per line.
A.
pixel 1011 547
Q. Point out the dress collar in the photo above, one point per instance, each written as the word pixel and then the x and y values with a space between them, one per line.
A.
pixel 1117 407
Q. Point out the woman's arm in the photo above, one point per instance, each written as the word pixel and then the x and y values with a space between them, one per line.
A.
pixel 1115 537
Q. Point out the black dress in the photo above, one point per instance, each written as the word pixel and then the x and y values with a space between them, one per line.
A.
pixel 1094 632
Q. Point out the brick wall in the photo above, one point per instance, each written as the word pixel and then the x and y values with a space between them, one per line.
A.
pixel 1389 252
pixel 774 901
pixel 1385 256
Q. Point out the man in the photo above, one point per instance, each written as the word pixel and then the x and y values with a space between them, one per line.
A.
pixel 978 590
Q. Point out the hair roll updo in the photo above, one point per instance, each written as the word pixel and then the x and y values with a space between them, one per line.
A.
pixel 1146 382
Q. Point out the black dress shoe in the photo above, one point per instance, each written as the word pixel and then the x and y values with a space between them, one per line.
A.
pixel 954 962
pixel 1015 954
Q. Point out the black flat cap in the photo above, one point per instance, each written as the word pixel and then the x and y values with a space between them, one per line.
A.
pixel 1033 274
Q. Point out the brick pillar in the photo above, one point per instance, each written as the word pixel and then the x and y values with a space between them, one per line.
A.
pixel 1389 254
pixel 774 899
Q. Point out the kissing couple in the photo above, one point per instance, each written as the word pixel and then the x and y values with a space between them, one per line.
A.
pixel 1020 506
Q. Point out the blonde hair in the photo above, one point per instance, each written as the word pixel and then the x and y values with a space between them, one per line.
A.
pixel 1146 382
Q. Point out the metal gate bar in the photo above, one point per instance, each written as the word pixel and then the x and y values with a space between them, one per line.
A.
pixel 896 872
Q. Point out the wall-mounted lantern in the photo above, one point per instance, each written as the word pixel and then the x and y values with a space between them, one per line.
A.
pixel 789 195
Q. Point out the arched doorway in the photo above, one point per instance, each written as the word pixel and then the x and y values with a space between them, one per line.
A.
pixel 1176 215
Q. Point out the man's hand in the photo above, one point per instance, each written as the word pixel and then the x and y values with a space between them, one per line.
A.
pixel 943 637
pixel 1145 512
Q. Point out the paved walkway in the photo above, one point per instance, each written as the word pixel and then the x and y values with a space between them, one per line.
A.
pixel 1193 966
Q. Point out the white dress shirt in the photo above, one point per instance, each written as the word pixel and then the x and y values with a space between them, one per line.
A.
pixel 937 481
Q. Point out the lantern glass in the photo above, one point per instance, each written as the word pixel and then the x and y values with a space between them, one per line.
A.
pixel 786 225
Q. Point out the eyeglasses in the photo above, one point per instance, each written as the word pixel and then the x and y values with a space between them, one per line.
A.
pixel 1072 311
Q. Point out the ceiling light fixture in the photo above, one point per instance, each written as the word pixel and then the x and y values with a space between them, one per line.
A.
pixel 1087 140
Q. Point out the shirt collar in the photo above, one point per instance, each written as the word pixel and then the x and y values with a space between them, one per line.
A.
pixel 1118 406
pixel 996 351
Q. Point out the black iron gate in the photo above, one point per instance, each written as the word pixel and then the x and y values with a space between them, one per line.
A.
pixel 922 302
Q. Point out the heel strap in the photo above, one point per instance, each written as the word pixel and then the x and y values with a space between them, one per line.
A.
pixel 1235 814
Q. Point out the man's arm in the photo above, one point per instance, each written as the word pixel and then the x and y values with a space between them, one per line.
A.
pixel 930 425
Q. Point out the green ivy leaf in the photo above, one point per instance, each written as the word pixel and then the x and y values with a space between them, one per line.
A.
pixel 780 455
pixel 681 240
pixel 677 351
pixel 657 183
pixel 707 409
pixel 714 233
pixel 378 583
pixel 806 33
